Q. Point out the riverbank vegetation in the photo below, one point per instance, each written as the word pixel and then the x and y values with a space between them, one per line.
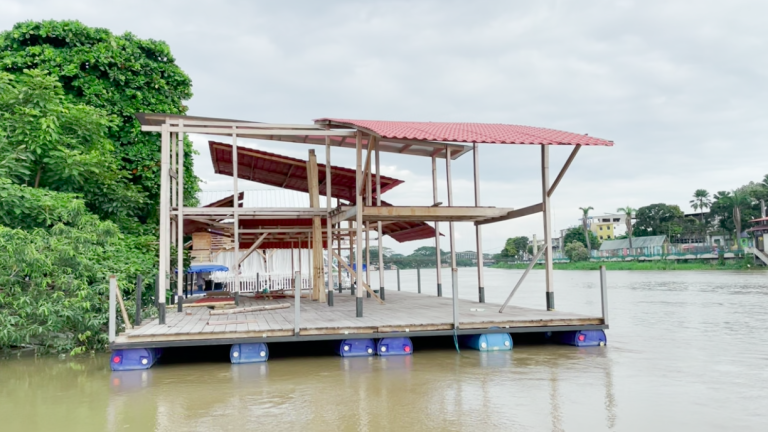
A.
pixel 78 179
pixel 736 264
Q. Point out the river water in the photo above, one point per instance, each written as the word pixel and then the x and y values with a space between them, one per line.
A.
pixel 686 351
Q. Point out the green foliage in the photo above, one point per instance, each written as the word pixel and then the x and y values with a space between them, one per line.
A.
pixel 735 209
pixel 658 219
pixel 576 252
pixel 54 275
pixel 49 142
pixel 119 74
pixel 577 235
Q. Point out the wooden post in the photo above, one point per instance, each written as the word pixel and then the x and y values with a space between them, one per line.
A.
pixel 454 270
pixel 352 280
pixel 604 294
pixel 297 299
pixel 317 231
pixel 123 312
pixel 359 222
pixel 437 230
pixel 112 324
pixel 329 226
pixel 164 246
pixel 293 269
pixel 237 215
pixel 478 228
pixel 549 275
pixel 139 288
pixel 368 203
pixel 157 289
pixel 379 231
pixel 180 222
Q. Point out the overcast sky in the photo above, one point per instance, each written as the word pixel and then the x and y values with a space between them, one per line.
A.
pixel 679 86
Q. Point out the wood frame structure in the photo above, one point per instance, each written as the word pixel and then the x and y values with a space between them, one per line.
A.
pixel 363 215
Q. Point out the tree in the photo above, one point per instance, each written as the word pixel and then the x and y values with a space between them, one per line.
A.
pixel 427 251
pixel 584 218
pixel 575 251
pixel 628 212
pixel 701 201
pixel 53 143
pixel 735 209
pixel 119 74
pixel 657 219
pixel 54 272
pixel 509 250
pixel 387 252
pixel 575 234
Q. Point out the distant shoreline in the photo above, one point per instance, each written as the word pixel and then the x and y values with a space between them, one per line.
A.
pixel 643 265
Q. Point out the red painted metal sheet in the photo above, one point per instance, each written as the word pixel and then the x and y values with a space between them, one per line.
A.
pixel 468 132
pixel 286 172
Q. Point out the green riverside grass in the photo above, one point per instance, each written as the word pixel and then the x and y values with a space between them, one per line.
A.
pixel 734 264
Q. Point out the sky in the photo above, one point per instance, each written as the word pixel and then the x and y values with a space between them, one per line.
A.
pixel 679 86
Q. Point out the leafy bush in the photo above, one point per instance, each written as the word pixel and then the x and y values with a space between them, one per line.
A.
pixel 575 251
pixel 54 276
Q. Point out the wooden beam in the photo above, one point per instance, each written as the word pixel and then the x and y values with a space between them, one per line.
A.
pixel 287 176
pixel 563 170
pixel 514 214
pixel 252 248
pixel 429 213
pixel 123 312
pixel 360 282
pixel 407 146
pixel 367 165
pixel 260 132
pixel 249 309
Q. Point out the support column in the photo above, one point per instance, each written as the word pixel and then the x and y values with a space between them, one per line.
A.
pixel 164 254
pixel 352 279
pixel 454 270
pixel 180 223
pixel 478 228
pixel 379 231
pixel 437 230
pixel 237 218
pixel 359 221
pixel 329 227
pixel 547 227
pixel 368 202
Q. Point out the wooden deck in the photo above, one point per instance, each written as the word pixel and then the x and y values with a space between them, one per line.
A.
pixel 403 312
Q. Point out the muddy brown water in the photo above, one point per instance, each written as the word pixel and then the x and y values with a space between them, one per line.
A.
pixel 686 351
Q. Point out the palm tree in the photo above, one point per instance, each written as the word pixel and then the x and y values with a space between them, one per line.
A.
pixel 628 212
pixel 739 200
pixel 584 218
pixel 701 201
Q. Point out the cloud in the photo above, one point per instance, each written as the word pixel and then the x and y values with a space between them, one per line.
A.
pixel 678 86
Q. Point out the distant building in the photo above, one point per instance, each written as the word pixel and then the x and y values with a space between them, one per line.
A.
pixel 651 245
pixel 607 227
pixel 468 255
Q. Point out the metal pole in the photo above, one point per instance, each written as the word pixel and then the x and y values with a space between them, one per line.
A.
pixel 437 230
pixel 522 278
pixel 454 270
pixel 164 252
pixel 237 216
pixel 368 202
pixel 604 294
pixel 398 278
pixel 418 279
pixel 359 222
pixel 112 311
pixel 352 280
pixel 137 316
pixel 297 300
pixel 547 227
pixel 329 233
pixel 180 221
pixel 478 228
pixel 379 231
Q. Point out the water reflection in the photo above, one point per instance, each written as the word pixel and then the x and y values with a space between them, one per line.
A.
pixel 655 363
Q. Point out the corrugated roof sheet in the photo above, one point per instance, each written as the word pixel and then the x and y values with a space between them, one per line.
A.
pixel 637 242
pixel 467 132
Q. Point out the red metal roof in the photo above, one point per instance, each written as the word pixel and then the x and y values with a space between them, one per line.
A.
pixel 286 172
pixel 467 132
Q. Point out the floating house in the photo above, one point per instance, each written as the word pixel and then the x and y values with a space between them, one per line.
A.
pixel 306 307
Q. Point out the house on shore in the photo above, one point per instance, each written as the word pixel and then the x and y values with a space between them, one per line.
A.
pixel 645 246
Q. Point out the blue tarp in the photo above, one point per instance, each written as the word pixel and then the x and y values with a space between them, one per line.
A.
pixel 206 268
